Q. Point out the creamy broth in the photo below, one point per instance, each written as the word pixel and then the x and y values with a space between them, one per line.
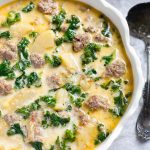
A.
pixel 65 78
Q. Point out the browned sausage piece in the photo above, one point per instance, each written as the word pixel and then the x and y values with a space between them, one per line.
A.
pixel 7 54
pixel 34 129
pixel 96 102
pixel 5 88
pixel 82 116
pixel 80 41
pixel 12 118
pixel 90 29
pixel 48 7
pixel 116 69
pixel 54 81
pixel 37 61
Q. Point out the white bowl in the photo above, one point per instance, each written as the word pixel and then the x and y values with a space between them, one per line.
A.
pixel 119 21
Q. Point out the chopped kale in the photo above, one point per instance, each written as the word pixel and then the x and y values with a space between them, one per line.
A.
pixel 92 73
pixel 121 102
pixel 61 144
pixel 70 135
pixel 24 61
pixel 52 119
pixel 12 18
pixel 27 80
pixel 49 100
pixel 23 44
pixel 90 53
pixel 37 145
pixel 129 94
pixel 33 79
pixel 69 108
pixel 70 33
pixel 57 20
pixel 20 81
pixel 75 94
pixel 106 29
pixel 73 89
pixel 15 129
pixel 52 147
pixel 33 34
pixel 6 70
pixel 5 35
pixel 109 59
pixel 102 134
pixel 28 8
pixel 26 110
pixel 114 85
pixel 101 137
pixel 55 61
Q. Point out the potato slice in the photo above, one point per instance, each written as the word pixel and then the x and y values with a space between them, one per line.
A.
pixel 62 98
pixel 21 29
pixel 43 42
pixel 70 62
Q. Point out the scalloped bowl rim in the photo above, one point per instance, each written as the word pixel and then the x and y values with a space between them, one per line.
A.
pixel 120 22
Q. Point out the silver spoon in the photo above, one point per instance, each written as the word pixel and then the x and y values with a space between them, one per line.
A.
pixel 139 22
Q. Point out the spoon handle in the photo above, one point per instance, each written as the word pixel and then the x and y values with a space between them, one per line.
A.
pixel 143 123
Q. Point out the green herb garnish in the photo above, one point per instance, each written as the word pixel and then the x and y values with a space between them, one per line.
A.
pixel 57 20
pixel 6 70
pixel 5 35
pixel 28 8
pixel 37 145
pixel 70 33
pixel 15 129
pixel 52 119
pixel 55 61
pixel 90 53
pixel 26 110
pixel 12 18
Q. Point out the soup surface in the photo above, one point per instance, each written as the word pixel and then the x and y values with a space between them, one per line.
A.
pixel 65 79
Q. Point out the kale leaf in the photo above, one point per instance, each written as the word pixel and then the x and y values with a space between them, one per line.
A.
pixel 26 110
pixel 27 80
pixel 37 145
pixel 109 59
pixel 102 134
pixel 6 70
pixel 70 135
pixel 75 94
pixel 15 129
pixel 121 102
pixel 106 29
pixel 24 61
pixel 28 8
pixel 55 61
pixel 70 33
pixel 92 73
pixel 49 100
pixel 12 18
pixel 58 20
pixel 90 53
pixel 5 35
pixel 33 35
pixel 52 119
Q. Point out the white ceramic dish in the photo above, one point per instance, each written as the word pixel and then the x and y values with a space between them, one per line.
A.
pixel 119 21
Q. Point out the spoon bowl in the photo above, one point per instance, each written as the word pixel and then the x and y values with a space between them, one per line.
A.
pixel 139 23
pixel 139 20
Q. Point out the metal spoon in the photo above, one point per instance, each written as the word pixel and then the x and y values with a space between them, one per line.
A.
pixel 139 22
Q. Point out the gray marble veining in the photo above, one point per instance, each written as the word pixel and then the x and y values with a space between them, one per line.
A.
pixel 127 139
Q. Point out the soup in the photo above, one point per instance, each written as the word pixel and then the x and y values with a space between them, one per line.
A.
pixel 65 79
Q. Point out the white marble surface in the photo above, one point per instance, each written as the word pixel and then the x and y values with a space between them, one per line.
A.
pixel 127 139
